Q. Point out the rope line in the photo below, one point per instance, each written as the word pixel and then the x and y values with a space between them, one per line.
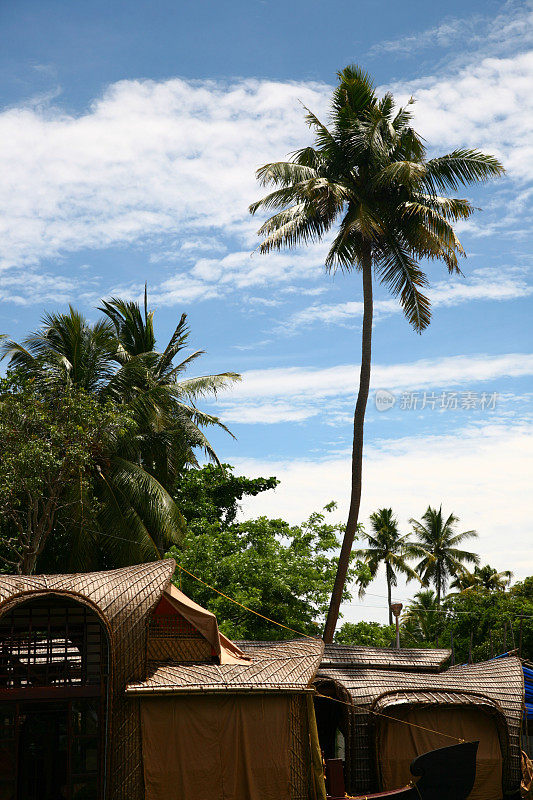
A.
pixel 246 608
pixel 387 716
pixel 324 696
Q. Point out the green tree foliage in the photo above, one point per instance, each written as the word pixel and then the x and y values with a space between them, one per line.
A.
pixel 115 364
pixel 486 578
pixel 437 547
pixel 213 493
pixel 64 469
pixel 490 615
pixel 116 358
pixel 368 179
pixel 282 571
pixel 366 634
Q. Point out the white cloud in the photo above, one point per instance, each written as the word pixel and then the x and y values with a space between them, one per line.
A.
pixel 170 164
pixel 486 105
pixel 23 288
pixel 481 284
pixel 481 474
pixel 147 158
pixel 298 393
pixel 508 31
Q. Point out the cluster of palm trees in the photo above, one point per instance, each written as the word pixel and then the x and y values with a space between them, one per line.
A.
pixel 117 361
pixel 433 543
pixel 430 553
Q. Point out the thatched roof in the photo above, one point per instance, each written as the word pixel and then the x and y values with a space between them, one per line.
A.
pixel 124 599
pixel 500 682
pixel 281 666
pixel 416 660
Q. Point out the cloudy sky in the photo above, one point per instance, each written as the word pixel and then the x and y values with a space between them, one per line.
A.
pixel 130 136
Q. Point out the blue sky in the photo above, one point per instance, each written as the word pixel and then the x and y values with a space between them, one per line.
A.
pixel 130 136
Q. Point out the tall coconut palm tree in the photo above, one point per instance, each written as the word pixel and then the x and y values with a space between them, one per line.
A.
pixel 437 547
pixel 368 178
pixel 386 547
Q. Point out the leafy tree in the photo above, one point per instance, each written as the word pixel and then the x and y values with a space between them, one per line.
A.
pixel 387 547
pixel 437 548
pixel 484 578
pixel 282 571
pixel 368 177
pixel 116 359
pixel 212 494
pixel 64 472
pixel 115 362
pixel 366 634
pixel 491 620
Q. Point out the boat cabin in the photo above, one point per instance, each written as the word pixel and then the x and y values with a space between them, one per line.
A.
pixel 116 686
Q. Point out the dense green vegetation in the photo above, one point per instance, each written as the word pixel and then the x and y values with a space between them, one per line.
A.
pixel 96 425
pixel 282 571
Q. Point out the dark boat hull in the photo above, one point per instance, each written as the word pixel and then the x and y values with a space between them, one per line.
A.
pixel 447 774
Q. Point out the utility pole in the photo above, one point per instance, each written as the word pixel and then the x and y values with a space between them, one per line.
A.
pixel 396 609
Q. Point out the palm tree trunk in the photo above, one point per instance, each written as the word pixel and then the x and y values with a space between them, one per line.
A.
pixel 357 451
pixel 389 593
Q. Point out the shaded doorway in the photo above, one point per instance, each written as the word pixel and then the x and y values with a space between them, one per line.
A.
pixel 333 723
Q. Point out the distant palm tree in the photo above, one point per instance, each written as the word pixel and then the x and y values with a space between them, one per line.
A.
pixel 437 549
pixel 386 547
pixel 485 578
pixel 368 176
pixel 421 619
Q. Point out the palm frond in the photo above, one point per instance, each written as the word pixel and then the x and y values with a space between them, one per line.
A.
pixel 461 167
pixel 404 278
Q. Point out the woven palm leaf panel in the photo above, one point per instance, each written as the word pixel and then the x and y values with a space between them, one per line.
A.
pixel 229 731
pixel 124 599
pixel 173 638
pixel 500 680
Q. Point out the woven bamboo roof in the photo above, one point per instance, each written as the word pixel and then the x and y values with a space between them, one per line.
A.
pixel 418 660
pixel 281 666
pixel 499 681
pixel 124 599
pixel 122 596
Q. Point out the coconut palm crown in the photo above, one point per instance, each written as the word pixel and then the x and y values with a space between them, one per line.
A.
pixel 386 547
pixel 368 183
pixel 438 548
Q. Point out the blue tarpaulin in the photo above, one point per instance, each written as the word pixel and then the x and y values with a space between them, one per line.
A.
pixel 528 685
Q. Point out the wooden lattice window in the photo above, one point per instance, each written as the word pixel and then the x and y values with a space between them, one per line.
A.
pixel 46 643
pixel 53 701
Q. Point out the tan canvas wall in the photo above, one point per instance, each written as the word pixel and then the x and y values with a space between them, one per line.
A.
pixel 216 748
pixel 399 744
